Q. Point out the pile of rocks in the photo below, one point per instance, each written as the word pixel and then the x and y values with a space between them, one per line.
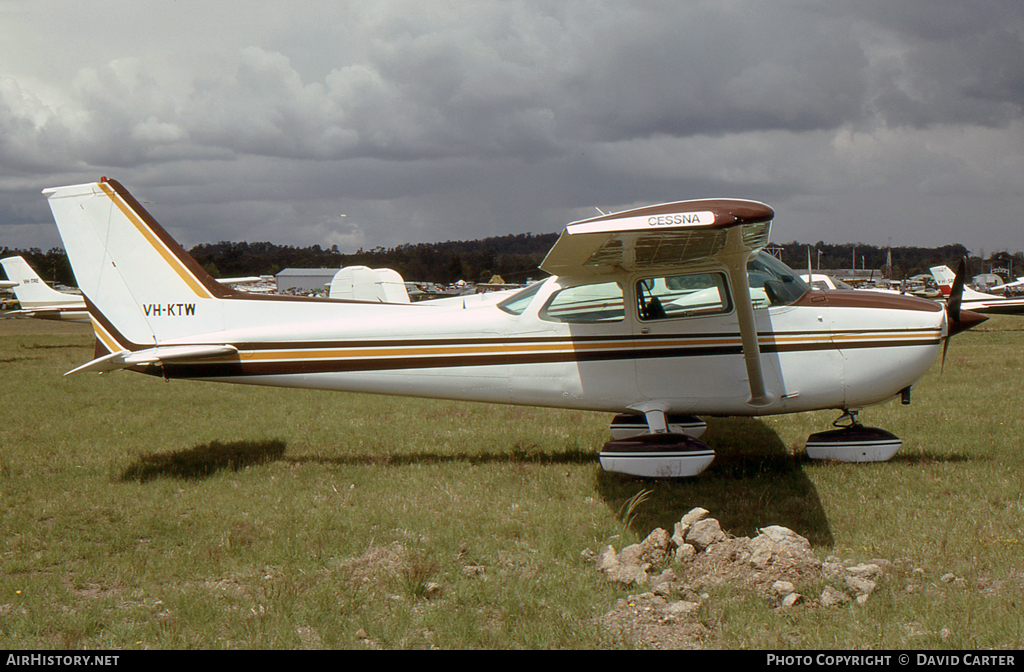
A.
pixel 677 567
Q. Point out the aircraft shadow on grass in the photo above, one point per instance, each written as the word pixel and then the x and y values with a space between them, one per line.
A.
pixel 929 457
pixel 753 482
pixel 203 461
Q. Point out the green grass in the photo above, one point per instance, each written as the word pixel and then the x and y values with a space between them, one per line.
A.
pixel 139 513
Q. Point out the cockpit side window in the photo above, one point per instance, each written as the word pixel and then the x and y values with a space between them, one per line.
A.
pixel 772 283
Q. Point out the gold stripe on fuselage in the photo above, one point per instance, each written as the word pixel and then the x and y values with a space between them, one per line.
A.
pixel 282 353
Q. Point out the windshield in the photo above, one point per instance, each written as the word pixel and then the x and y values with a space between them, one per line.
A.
pixel 772 283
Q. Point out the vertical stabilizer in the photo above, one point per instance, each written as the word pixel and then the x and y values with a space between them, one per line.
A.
pixel 139 280
pixel 944 277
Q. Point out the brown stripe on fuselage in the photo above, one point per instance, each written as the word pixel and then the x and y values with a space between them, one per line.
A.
pixel 298 365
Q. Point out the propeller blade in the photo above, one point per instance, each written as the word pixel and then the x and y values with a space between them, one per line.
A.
pixel 956 295
pixel 956 319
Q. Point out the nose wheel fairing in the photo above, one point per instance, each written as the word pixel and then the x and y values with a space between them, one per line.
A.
pixel 853 442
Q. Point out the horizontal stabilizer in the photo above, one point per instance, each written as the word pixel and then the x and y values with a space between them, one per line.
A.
pixel 49 312
pixel 124 359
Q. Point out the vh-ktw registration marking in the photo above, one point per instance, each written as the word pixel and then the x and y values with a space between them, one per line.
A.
pixel 169 309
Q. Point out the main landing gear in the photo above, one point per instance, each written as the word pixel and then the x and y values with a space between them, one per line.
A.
pixel 656 445
pixel 852 442
pixel 660 445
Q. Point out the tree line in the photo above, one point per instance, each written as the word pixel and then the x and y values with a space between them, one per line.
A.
pixel 514 257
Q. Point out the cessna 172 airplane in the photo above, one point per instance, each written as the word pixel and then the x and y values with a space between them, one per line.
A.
pixel 979 302
pixel 658 314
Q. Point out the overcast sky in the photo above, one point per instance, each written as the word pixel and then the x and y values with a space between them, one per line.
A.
pixel 421 121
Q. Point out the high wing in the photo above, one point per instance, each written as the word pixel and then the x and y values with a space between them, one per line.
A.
pixel 670 235
pixel 676 236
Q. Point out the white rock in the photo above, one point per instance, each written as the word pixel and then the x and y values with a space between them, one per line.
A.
pixel 781 545
pixel 705 532
pixel 685 552
pixel 694 515
pixel 865 571
pixel 682 607
pixel 607 559
pixel 784 536
pixel 683 526
pixel 830 597
pixel 792 599
pixel 860 586
pixel 655 548
pixel 631 555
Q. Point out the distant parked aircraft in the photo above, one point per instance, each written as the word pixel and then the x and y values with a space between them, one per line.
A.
pixel 37 298
pixel 978 302
pixel 822 281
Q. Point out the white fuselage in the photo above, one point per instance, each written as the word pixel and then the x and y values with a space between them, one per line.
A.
pixel 828 350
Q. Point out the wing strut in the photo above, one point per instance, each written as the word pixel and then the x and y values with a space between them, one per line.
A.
pixel 735 256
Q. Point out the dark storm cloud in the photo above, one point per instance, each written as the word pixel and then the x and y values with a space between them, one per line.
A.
pixel 432 121
pixel 955 63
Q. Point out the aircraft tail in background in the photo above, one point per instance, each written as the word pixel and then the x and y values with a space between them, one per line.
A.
pixel 945 277
pixel 38 299
pixel 31 290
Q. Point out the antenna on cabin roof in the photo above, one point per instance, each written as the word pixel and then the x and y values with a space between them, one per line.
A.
pixel 600 210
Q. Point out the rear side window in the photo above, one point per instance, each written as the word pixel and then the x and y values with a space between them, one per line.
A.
pixel 586 304
pixel 677 296
pixel 517 303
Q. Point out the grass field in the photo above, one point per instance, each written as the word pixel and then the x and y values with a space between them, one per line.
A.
pixel 139 513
